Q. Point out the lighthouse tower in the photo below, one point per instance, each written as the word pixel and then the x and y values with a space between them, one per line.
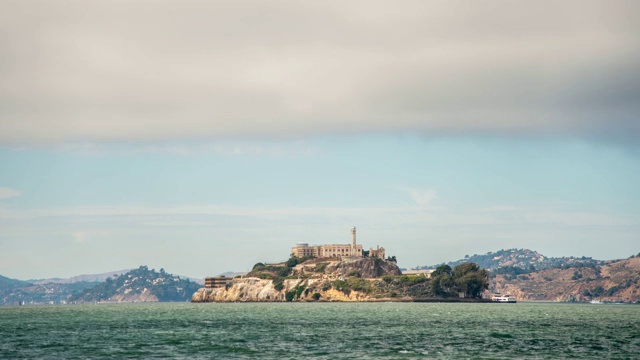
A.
pixel 353 242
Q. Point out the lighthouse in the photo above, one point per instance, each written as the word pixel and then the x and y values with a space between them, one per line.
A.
pixel 353 242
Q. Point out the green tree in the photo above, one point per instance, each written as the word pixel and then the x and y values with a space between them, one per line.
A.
pixel 442 269
pixel 470 279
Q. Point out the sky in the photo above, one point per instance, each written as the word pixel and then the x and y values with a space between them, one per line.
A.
pixel 203 137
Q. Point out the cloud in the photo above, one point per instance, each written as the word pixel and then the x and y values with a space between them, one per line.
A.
pixel 383 216
pixel 185 70
pixel 224 148
pixel 7 192
pixel 80 237
pixel 423 198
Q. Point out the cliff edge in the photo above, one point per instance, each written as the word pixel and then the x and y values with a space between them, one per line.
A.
pixel 325 279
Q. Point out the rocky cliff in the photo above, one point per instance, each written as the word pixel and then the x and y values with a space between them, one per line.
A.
pixel 312 280
pixel 366 268
pixel 259 290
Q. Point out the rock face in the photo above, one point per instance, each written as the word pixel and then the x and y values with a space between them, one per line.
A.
pixel 616 281
pixel 258 290
pixel 362 267
pixel 314 280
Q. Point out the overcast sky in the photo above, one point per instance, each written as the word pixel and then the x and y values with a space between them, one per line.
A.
pixel 204 136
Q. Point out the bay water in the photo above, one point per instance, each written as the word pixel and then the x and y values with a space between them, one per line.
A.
pixel 321 331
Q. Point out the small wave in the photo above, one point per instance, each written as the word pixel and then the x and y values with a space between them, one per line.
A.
pixel 501 335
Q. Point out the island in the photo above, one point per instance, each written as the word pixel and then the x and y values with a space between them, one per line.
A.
pixel 345 272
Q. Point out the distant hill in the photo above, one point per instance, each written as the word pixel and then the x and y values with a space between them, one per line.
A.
pixel 8 283
pixel 613 281
pixel 80 278
pixel 521 258
pixel 139 285
pixel 14 292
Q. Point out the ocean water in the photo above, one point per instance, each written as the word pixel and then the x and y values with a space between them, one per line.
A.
pixel 321 331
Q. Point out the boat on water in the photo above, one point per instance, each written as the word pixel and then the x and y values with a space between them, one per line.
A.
pixel 503 298
pixel 594 301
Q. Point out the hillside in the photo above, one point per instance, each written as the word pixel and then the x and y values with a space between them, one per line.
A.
pixel 614 281
pixel 8 283
pixel 521 258
pixel 16 292
pixel 139 285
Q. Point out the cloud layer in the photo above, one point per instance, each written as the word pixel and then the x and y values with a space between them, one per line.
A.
pixel 176 70
pixel 7 192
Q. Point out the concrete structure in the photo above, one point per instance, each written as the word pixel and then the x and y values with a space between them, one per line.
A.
pixel 426 273
pixel 335 250
pixel 327 250
pixel 216 282
pixel 378 252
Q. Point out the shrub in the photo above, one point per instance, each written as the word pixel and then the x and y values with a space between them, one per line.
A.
pixel 326 286
pixel 597 291
pixel 278 283
pixel 342 285
pixel 321 267
pixel 611 291
pixel 316 296
pixel 412 280
pixel 290 295
pixel 293 261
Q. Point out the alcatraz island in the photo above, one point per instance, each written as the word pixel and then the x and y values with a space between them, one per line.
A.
pixel 345 272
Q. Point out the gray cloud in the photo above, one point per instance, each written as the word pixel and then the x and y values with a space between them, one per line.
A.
pixel 175 70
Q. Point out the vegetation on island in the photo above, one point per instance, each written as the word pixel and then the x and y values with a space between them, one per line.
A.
pixel 370 277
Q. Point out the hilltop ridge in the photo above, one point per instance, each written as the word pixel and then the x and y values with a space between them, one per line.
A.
pixel 136 285
pixel 522 258
pixel 139 285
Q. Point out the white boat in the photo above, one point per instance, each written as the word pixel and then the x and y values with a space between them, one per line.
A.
pixel 506 298
pixel 594 301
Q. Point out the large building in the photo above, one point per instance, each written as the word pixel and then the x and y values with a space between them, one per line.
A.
pixel 334 250
pixel 216 282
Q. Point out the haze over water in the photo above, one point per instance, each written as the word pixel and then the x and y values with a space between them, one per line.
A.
pixel 321 331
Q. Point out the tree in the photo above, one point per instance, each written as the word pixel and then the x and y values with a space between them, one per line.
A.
pixel 442 269
pixel 597 291
pixel 442 285
pixel 463 269
pixel 470 279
